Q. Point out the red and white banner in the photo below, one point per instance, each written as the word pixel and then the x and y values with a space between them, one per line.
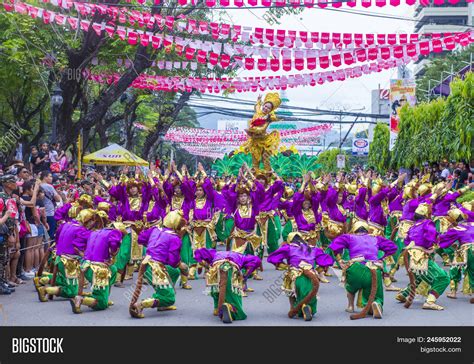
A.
pixel 255 35
pixel 305 3
pixel 219 54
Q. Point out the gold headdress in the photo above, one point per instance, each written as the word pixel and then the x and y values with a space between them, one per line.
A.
pixel 352 187
pixel 220 185
pixel 360 224
pixel 86 200
pixel 274 99
pixel 377 185
pixel 292 235
pixel 174 220
pixel 468 205
pixel 424 189
pixel 288 192
pixel 243 188
pixel 120 226
pixel 134 183
pixel 455 213
pixel 339 186
pixel 408 191
pixel 424 209
pixel 102 217
pixel 103 206
pixel 85 216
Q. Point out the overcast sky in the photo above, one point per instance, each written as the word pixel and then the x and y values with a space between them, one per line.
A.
pixel 348 94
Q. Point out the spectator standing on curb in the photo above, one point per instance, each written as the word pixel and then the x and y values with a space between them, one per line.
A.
pixel 52 198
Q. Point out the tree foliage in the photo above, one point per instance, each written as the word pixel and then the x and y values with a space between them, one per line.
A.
pixel 437 130
pixel 379 154
pixel 328 161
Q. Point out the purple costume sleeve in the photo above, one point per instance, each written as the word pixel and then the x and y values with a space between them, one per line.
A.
pixel 204 254
pixel 80 239
pixel 315 206
pixel 387 246
pixel 62 213
pixel 298 199
pixel 360 208
pixel 144 236
pixel 257 195
pixel 331 203
pixel 448 238
pixel 187 191
pixel 340 243
pixel 251 262
pixel 230 196
pixel 430 232
pixel 174 252
pixel 118 192
pixel 322 259
pixel 279 255
pixel 115 238
pixel 168 188
pixel 208 189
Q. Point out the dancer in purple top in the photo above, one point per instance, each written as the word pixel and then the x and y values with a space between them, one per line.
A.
pixel 226 278
pixel 363 271
pixel 301 281
pixel 163 249
pixel 71 241
pixel 102 245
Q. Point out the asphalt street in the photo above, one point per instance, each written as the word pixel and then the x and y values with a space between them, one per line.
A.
pixel 267 306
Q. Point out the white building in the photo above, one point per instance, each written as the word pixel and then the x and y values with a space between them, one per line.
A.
pixel 446 18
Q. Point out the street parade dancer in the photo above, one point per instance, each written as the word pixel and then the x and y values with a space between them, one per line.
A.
pixel 103 243
pixel 71 241
pixel 180 197
pixel 202 221
pixel 243 199
pixel 426 276
pixel 226 278
pixel 301 281
pixel 160 267
pixel 363 271
pixel 461 238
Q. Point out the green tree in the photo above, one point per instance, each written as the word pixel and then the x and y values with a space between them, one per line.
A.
pixel 328 161
pixel 379 154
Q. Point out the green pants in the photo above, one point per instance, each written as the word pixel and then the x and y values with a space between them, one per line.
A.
pixel 303 286
pixel 69 287
pixel 440 251
pixel 324 240
pixel 232 298
pixel 124 254
pixel 358 277
pixel 436 278
pixel 456 272
pixel 287 230
pixel 101 295
pixel 391 221
pixel 165 295
pixel 220 228
pixel 187 256
pixel 272 235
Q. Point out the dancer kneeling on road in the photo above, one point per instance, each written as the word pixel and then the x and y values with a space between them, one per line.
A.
pixel 364 269
pixel 227 277
pixel 102 245
pixel 161 263
pixel 301 281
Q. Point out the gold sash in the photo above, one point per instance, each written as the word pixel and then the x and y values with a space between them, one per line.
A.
pixel 332 228
pixel 159 274
pixel 419 258
pixel 72 268
pixel 289 279
pixel 240 239
pixel 460 254
pixel 403 227
pixel 262 221
pixel 213 276
pixel 444 223
pixel 101 274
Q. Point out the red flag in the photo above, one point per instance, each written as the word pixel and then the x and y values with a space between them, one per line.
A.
pixel 286 64
pixel 249 63
pixel 225 60
pixel 274 65
pixel 336 60
pixel 324 61
pixel 262 64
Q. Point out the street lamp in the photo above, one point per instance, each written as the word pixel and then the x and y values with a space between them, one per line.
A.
pixel 56 102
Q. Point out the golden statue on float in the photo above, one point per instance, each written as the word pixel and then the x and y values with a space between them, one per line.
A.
pixel 260 144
